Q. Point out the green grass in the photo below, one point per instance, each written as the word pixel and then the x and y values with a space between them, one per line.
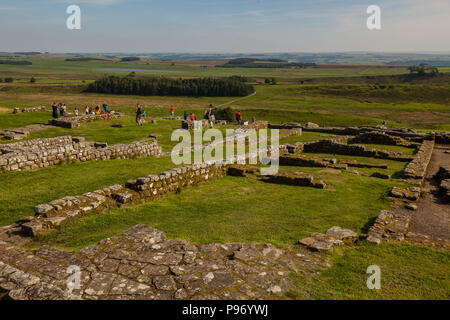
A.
pixel 54 67
pixel 9 120
pixel 395 168
pixel 307 136
pixel 404 150
pixel 21 191
pixel 407 272
pixel 223 210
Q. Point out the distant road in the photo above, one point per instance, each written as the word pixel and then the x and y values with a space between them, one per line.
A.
pixel 232 101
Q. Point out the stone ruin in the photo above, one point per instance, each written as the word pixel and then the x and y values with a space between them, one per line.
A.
pixel 14 134
pixel 415 170
pixel 75 122
pixel 325 242
pixel 443 177
pixel 375 137
pixel 143 264
pixel 40 153
pixel 334 147
pixel 32 109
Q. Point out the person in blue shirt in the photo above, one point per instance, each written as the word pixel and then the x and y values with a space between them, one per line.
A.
pixel 55 110
pixel 185 115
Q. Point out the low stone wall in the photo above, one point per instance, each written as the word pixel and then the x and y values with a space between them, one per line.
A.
pixel 443 177
pixel 389 226
pixel 140 190
pixel 40 153
pixel 442 138
pixel 334 147
pixel 415 171
pixel 285 126
pixel 14 134
pixel 309 161
pixel 405 133
pixel 75 122
pixel 256 125
pixel 394 226
pixel 381 138
pixel 194 125
pixel 295 179
pixel 32 109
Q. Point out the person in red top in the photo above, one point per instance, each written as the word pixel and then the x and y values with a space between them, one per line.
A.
pixel 238 117
pixel 172 111
pixel 192 117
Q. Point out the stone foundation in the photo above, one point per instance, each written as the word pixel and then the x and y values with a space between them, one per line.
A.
pixel 143 264
pixel 295 179
pixel 389 226
pixel 415 170
pixel 40 153
pixel 75 122
pixel 376 137
pixel 334 147
pixel 443 177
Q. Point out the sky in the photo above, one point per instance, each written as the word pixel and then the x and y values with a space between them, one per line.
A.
pixel 226 26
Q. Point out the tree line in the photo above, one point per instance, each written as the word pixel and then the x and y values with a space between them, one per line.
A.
pixel 259 63
pixel 199 87
pixel 16 62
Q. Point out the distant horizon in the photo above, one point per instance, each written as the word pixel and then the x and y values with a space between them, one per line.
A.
pixel 235 53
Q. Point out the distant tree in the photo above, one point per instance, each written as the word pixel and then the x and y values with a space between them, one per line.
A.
pixel 125 59
pixel 161 86
pixel 224 114
pixel 9 79
pixel 132 74
pixel 270 81
pixel 32 80
pixel 423 69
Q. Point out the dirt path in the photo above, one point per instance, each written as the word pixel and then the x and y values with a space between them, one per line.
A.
pixel 433 216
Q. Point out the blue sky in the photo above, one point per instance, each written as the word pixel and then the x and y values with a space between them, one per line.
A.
pixel 224 26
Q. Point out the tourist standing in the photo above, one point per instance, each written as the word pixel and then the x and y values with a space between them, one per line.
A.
pixel 75 112
pixel 172 111
pixel 238 117
pixel 192 116
pixel 211 116
pixel 86 110
pixel 55 110
pixel 139 115
pixel 186 115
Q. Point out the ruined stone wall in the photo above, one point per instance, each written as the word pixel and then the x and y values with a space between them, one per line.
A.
pixel 334 147
pixel 416 169
pixel 295 179
pixel 40 153
pixel 32 109
pixel 404 133
pixel 376 137
pixel 285 126
pixel 75 122
pixel 140 190
pixel 443 177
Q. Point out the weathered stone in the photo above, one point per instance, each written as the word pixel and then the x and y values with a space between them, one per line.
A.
pixel 345 235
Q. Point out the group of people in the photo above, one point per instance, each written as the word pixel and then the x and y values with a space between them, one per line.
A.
pixel 61 109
